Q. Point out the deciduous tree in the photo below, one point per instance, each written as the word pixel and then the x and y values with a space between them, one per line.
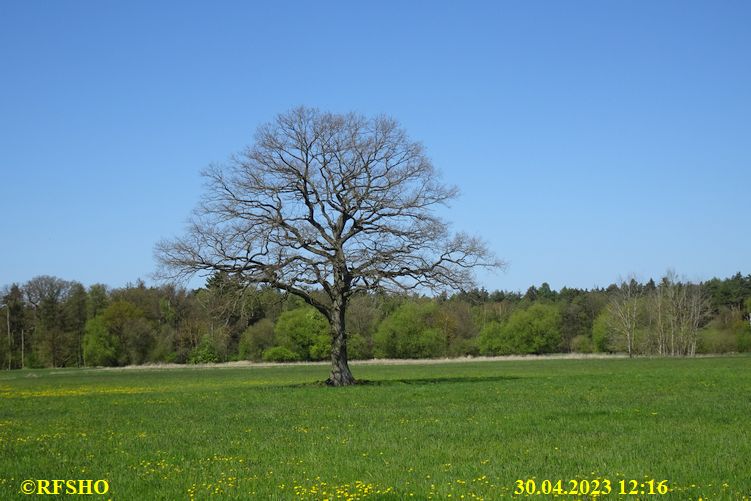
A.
pixel 624 308
pixel 341 204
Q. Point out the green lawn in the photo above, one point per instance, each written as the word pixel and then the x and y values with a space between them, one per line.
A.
pixel 443 431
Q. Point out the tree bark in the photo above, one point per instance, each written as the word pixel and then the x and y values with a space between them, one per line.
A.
pixel 340 373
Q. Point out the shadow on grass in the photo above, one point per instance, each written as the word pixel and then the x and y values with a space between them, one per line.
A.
pixel 412 381
pixel 434 380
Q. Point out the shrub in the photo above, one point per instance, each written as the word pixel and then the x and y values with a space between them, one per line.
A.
pixel 744 340
pixel 131 333
pixel 99 346
pixel 204 353
pixel 256 339
pixel 742 330
pixel 280 354
pixel 163 349
pixel 4 348
pixel 581 344
pixel 716 340
pixel 492 341
pixel 601 333
pixel 358 348
pixel 138 340
pixel 321 349
pixel 305 332
pixel 408 333
pixel 464 347
pixel 536 329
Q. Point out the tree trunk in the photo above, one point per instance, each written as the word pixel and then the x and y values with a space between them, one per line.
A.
pixel 628 344
pixel 340 373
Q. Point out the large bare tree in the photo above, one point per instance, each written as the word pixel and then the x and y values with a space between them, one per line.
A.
pixel 325 206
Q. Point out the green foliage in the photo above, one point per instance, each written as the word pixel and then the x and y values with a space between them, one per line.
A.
pixel 256 339
pixel 714 340
pixel 15 314
pixel 280 354
pixel 138 340
pixel 305 332
pixel 601 333
pixel 455 321
pixel 731 292
pixel 204 353
pixel 321 349
pixel 163 347
pixel 53 344
pixel 99 346
pixel 581 344
pixel 5 352
pixel 728 332
pixel 119 313
pixel 492 341
pixel 127 324
pixel 409 332
pixel 358 348
pixel 544 293
pixel 144 324
pixel 578 312
pixel 364 313
pixel 536 329
pixel 74 309
pixel 97 300
pixel 744 340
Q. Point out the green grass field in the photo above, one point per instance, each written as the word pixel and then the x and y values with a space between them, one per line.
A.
pixel 441 431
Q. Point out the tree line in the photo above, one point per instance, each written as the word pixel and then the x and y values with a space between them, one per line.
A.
pixel 51 322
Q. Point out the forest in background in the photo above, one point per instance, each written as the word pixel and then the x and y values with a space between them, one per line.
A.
pixel 51 322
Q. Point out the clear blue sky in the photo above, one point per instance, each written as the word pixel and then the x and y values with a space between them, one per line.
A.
pixel 589 139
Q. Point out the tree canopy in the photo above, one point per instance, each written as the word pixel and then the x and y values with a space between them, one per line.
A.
pixel 341 204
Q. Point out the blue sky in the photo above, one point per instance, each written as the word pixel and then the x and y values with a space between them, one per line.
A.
pixel 589 139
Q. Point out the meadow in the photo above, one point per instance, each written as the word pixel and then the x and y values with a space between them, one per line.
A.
pixel 423 431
